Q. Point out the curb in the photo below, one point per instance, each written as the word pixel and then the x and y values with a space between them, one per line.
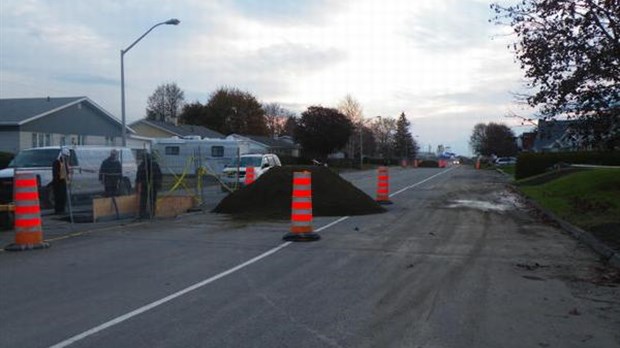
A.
pixel 611 256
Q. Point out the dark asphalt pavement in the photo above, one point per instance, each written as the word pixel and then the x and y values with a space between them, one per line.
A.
pixel 456 261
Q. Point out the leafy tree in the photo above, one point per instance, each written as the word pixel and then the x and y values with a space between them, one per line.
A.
pixel 478 138
pixel 165 103
pixel 570 52
pixel 289 126
pixel 404 144
pixel 493 139
pixel 321 131
pixel 193 113
pixel 228 111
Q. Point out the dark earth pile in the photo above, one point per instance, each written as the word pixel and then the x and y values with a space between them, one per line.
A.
pixel 270 196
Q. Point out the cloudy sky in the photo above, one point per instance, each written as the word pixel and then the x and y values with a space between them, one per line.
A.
pixel 439 61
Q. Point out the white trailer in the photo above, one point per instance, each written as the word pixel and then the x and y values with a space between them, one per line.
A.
pixel 187 155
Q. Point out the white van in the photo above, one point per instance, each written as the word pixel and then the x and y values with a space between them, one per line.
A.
pixel 261 163
pixel 84 163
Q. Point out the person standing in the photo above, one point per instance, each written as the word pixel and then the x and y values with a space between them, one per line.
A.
pixel 148 182
pixel 60 178
pixel 110 174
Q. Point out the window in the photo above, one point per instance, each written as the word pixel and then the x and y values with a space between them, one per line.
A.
pixel 63 140
pixel 48 139
pixel 81 139
pixel 109 141
pixel 34 140
pixel 217 151
pixel 172 150
pixel 41 140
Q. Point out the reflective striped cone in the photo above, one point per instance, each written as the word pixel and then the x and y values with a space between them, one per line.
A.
pixel 28 230
pixel 383 186
pixel 301 209
pixel 249 175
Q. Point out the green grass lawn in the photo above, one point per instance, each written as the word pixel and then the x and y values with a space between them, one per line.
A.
pixel 589 199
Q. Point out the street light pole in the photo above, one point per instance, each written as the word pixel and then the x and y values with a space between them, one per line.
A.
pixel 172 21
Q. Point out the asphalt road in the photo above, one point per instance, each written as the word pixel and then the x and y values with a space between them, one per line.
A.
pixel 457 261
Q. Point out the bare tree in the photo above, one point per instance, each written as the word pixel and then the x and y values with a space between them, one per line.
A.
pixel 384 129
pixel 276 117
pixel 166 103
pixel 352 109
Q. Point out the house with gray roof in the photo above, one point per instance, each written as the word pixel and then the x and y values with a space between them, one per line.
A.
pixel 159 129
pixel 555 136
pixel 36 122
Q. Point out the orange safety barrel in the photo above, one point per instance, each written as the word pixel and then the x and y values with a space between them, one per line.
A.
pixel 249 175
pixel 28 229
pixel 383 186
pixel 301 209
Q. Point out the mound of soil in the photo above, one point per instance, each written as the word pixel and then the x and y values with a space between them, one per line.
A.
pixel 270 196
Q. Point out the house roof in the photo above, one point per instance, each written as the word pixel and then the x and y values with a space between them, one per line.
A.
pixel 182 129
pixel 267 141
pixel 550 132
pixel 18 111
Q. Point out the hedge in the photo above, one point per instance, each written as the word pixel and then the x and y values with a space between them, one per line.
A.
pixel 530 164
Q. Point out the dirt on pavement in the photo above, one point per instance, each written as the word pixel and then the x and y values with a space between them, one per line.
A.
pixel 270 196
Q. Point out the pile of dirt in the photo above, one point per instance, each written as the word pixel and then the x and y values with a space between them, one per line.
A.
pixel 270 196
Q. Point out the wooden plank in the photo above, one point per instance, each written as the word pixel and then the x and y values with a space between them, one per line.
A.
pixel 171 206
pixel 7 207
pixel 104 209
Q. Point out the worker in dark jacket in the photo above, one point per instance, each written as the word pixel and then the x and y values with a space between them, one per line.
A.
pixel 60 178
pixel 110 174
pixel 148 182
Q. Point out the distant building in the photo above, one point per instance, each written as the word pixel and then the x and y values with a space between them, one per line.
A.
pixel 159 129
pixel 36 122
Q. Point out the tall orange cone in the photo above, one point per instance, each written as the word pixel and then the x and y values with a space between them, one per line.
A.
pixel 383 186
pixel 249 175
pixel 28 231
pixel 301 209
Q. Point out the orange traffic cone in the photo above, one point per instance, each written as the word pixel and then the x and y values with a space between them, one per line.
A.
pixel 28 231
pixel 478 164
pixel 249 175
pixel 301 209
pixel 383 186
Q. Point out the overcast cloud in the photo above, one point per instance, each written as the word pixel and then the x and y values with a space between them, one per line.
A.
pixel 439 61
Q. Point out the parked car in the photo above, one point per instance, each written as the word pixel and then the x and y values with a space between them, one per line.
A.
pixel 84 164
pixel 504 161
pixel 233 174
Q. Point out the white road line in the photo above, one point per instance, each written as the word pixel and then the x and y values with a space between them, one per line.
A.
pixel 198 285
pixel 421 182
